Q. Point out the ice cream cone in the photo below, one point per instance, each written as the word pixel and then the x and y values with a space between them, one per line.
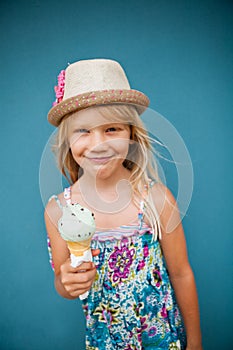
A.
pixel 78 248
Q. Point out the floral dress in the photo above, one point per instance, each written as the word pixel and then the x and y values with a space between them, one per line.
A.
pixel 131 304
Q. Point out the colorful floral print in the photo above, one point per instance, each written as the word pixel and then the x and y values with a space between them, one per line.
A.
pixel 131 304
pixel 120 261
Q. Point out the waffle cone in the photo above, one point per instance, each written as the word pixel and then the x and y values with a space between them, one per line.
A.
pixel 78 248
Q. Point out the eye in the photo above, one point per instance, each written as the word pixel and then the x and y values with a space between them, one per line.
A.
pixel 82 131
pixel 111 129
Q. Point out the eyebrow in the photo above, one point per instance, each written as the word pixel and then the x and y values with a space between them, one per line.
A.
pixel 86 125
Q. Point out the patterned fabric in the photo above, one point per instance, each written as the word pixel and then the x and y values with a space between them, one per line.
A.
pixel 131 304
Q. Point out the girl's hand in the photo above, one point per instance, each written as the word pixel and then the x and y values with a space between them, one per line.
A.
pixel 78 280
pixel 194 347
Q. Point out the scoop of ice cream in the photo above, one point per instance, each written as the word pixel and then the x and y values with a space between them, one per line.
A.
pixel 77 223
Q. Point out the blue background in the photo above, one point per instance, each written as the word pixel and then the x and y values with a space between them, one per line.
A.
pixel 180 54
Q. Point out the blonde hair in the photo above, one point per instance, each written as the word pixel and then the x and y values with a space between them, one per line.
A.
pixel 140 160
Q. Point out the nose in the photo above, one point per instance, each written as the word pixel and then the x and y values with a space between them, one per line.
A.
pixel 97 141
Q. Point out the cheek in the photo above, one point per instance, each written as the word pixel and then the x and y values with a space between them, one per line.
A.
pixel 121 147
pixel 78 144
pixel 73 141
pixel 75 150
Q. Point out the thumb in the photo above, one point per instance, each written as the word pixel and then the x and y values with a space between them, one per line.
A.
pixel 95 252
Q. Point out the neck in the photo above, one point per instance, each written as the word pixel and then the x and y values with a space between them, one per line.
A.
pixel 105 183
pixel 105 194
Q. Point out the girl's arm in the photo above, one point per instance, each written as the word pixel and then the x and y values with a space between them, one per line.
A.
pixel 69 282
pixel 173 245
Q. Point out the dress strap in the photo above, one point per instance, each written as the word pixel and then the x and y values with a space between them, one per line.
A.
pixel 151 183
pixel 50 252
pixel 142 206
pixel 67 195
pixel 145 192
pixel 57 200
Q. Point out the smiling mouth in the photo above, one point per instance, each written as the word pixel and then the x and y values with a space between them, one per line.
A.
pixel 100 160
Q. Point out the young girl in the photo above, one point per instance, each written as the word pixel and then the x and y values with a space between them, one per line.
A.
pixel 142 292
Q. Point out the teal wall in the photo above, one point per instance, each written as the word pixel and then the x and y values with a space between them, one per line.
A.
pixel 180 54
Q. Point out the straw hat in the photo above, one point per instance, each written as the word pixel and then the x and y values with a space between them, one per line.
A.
pixel 93 82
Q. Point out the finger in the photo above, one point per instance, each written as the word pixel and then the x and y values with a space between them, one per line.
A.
pixel 75 290
pixel 85 277
pixel 85 266
pixel 95 252
pixel 78 288
pixel 81 282
pixel 78 281
pixel 77 293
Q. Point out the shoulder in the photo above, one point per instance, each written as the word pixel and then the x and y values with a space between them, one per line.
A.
pixel 53 208
pixel 166 206
pixel 162 196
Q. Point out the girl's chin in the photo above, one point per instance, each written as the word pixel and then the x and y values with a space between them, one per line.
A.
pixel 102 171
